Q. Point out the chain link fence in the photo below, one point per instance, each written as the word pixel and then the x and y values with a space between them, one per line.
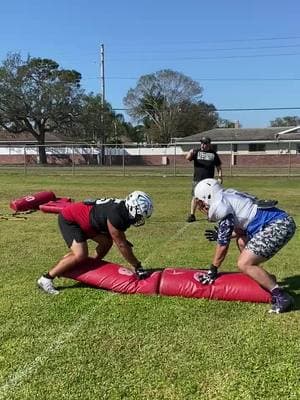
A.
pixel 238 159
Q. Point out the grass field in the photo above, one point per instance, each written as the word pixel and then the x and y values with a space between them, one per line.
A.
pixel 92 344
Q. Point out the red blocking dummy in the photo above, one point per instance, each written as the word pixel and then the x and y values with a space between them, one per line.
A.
pixel 31 201
pixel 110 276
pixel 228 286
pixel 55 206
pixel 170 282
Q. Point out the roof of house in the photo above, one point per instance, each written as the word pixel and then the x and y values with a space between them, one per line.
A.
pixel 245 134
pixel 26 138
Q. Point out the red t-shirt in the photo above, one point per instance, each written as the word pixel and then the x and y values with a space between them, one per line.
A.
pixel 80 214
pixel 92 219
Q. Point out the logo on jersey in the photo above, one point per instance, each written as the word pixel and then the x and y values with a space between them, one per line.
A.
pixel 202 155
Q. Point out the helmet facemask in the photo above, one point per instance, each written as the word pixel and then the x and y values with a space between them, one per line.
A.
pixel 205 191
pixel 139 220
pixel 139 206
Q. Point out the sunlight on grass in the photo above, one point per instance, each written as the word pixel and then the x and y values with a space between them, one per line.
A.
pixel 92 344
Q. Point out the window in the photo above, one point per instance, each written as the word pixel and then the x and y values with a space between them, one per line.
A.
pixel 257 147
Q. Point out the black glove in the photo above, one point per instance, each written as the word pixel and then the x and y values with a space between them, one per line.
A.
pixel 211 234
pixel 209 277
pixel 141 273
pixel 89 202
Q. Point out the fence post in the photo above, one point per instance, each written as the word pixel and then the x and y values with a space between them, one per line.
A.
pixel 290 161
pixel 25 163
pixel 123 159
pixel 175 159
pixel 231 158
pixel 110 163
pixel 73 160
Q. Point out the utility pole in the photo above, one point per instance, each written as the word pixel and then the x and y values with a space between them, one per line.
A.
pixel 102 93
pixel 102 74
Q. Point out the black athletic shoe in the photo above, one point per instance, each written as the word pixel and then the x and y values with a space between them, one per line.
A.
pixel 191 218
pixel 281 302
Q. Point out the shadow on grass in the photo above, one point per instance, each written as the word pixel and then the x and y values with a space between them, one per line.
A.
pixel 292 283
pixel 74 285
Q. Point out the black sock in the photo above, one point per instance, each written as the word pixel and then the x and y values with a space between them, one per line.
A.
pixel 48 276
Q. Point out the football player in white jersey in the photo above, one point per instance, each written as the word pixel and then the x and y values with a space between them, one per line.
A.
pixel 261 230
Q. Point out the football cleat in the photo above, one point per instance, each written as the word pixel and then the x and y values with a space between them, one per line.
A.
pixel 46 285
pixel 281 302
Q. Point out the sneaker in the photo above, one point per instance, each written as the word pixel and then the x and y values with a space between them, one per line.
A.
pixel 47 285
pixel 281 302
pixel 191 218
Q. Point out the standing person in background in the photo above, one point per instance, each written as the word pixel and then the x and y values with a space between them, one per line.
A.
pixel 205 161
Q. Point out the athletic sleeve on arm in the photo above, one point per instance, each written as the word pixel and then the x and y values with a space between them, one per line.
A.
pixel 225 229
pixel 217 160
pixel 117 220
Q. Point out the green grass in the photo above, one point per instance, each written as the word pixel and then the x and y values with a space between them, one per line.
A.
pixel 92 344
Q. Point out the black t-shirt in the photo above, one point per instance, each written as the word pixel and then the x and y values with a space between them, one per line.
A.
pixel 205 163
pixel 113 210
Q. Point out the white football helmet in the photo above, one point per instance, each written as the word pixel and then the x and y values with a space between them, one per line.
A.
pixel 139 206
pixel 207 190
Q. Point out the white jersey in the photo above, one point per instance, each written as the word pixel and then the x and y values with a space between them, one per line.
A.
pixel 239 204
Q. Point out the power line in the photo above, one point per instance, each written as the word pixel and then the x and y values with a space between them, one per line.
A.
pixel 237 109
pixel 210 49
pixel 211 79
pixel 209 57
pixel 259 109
pixel 259 39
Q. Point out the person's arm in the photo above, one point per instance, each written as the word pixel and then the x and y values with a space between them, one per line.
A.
pixel 125 249
pixel 220 254
pixel 220 174
pixel 190 155
pixel 224 233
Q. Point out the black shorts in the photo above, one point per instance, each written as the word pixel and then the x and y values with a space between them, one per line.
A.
pixel 71 231
pixel 194 184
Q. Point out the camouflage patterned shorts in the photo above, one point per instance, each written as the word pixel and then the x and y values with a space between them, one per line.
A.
pixel 267 242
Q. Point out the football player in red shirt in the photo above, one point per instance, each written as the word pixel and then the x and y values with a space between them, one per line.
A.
pixel 105 222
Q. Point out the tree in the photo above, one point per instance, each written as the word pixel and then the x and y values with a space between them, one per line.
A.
pixel 136 133
pixel 37 97
pixel 157 98
pixel 286 121
pixel 194 118
pixel 98 122
pixel 226 123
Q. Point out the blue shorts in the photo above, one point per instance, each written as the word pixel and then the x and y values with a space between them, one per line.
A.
pixel 268 241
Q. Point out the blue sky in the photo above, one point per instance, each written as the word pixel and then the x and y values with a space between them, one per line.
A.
pixel 244 54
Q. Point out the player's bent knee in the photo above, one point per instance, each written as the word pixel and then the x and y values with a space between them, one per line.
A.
pixel 81 257
pixel 242 266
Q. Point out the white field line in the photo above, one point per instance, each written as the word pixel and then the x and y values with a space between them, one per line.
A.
pixel 16 379
pixel 171 239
